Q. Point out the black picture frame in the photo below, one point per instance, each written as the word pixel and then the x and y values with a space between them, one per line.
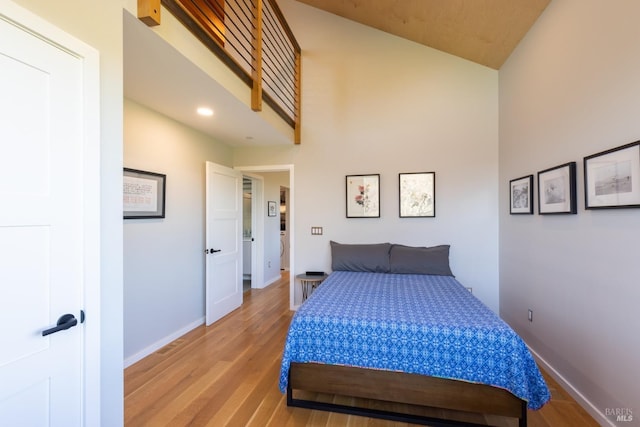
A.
pixel 272 209
pixel 521 196
pixel 363 196
pixel 417 195
pixel 557 190
pixel 143 194
pixel 612 178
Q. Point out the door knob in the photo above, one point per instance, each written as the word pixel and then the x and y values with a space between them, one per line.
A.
pixel 65 321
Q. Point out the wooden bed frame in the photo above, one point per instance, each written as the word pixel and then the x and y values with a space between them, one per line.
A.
pixel 401 388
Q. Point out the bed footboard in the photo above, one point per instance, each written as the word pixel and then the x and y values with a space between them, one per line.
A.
pixel 400 387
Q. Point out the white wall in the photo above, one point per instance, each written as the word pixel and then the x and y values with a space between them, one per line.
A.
pixel 375 103
pixel 164 258
pixel 105 35
pixel 571 89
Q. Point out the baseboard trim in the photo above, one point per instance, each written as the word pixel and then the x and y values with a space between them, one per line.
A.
pixel 575 393
pixel 161 343
pixel 271 281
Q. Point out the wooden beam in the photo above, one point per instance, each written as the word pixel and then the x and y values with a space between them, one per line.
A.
pixel 149 12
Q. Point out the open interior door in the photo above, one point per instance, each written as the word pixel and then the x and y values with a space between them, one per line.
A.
pixel 223 241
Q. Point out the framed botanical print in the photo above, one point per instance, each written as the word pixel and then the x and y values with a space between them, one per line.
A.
pixel 417 194
pixel 363 196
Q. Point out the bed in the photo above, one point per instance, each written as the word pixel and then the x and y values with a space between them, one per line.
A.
pixel 392 323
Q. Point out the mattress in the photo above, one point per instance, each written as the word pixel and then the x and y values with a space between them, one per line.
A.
pixel 421 324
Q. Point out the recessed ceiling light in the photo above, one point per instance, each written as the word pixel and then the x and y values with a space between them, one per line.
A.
pixel 205 111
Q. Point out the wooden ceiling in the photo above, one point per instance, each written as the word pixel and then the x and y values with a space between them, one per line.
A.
pixel 482 31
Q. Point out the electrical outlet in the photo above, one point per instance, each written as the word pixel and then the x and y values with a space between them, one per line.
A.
pixel 269 264
pixel 530 315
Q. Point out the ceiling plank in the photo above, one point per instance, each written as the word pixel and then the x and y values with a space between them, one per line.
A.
pixel 482 31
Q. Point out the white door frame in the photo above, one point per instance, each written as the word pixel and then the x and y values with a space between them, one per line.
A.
pixel 90 58
pixel 281 168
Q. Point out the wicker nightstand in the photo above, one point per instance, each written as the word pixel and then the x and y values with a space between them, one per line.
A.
pixel 309 282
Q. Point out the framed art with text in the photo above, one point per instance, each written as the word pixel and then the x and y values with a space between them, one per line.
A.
pixel 143 194
pixel 417 194
pixel 521 195
pixel 363 196
pixel 612 178
pixel 557 190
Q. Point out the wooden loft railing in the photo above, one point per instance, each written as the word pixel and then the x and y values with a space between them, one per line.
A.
pixel 253 39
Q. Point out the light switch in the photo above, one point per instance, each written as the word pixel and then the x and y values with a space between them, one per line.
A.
pixel 316 231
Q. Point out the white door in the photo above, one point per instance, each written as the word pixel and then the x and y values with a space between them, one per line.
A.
pixel 41 230
pixel 223 251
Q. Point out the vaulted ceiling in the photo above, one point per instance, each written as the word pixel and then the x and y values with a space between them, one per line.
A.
pixel 482 31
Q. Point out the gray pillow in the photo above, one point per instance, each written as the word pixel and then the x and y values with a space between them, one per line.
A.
pixel 365 257
pixel 420 260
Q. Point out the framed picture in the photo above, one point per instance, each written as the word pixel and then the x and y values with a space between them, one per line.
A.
pixel 363 196
pixel 521 195
pixel 417 194
pixel 143 194
pixel 557 190
pixel 271 208
pixel 612 178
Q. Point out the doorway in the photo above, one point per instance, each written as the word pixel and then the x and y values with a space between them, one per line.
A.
pixel 266 234
pixel 284 228
pixel 247 236
pixel 252 225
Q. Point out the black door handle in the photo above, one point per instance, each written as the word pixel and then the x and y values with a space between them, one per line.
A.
pixel 65 322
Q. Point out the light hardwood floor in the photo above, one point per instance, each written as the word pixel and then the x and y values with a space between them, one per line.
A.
pixel 227 374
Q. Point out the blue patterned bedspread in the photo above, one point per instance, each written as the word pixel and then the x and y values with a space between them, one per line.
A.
pixel 421 324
